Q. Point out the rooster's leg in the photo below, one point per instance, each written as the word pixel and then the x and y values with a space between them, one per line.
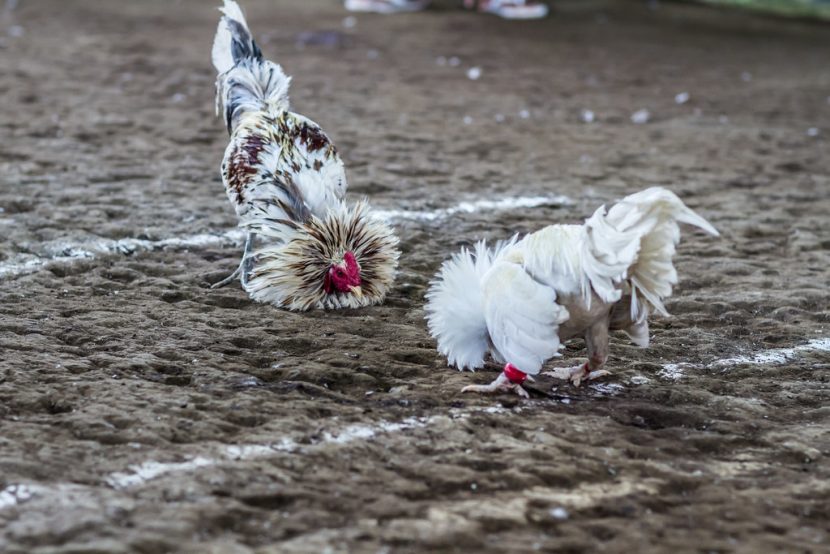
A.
pixel 244 267
pixel 247 259
pixel 596 340
pixel 501 384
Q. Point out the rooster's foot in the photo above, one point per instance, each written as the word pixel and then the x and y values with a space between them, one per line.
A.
pixel 227 280
pixel 576 374
pixel 245 266
pixel 501 384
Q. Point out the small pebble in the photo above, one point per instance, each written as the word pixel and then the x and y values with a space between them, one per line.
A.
pixel 681 98
pixel 746 76
pixel 474 73
pixel 349 22
pixel 524 114
pixel 812 132
pixel 587 116
pixel 640 116
pixel 559 513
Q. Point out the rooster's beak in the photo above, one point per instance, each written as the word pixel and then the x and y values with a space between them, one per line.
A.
pixel 357 291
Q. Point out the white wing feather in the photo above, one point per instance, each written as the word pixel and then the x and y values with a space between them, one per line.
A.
pixel 563 257
pixel 522 316
pixel 628 248
pixel 641 232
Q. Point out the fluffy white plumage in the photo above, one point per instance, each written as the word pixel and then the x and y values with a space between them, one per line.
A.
pixel 521 299
pixel 653 216
pixel 451 300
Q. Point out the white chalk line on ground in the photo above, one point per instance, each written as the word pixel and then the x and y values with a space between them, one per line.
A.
pixel 64 253
pixel 505 204
pixel 15 494
pixel 147 471
pixel 139 474
pixel 774 356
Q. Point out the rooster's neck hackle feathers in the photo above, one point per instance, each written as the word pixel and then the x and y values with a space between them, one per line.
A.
pixel 291 272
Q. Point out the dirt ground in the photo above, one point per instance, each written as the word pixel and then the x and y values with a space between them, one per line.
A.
pixel 141 411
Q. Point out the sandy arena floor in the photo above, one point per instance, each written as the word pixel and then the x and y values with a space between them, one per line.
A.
pixel 142 412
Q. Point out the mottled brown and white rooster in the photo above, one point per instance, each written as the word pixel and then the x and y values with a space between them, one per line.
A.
pixel 522 299
pixel 287 183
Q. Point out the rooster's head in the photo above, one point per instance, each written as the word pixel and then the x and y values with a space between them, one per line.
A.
pixel 344 276
pixel 346 259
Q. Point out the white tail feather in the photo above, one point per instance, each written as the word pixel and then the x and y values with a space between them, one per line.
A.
pixel 245 82
pixel 222 54
pixel 455 306
pixel 644 224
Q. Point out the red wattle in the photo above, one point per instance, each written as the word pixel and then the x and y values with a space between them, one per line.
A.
pixel 514 374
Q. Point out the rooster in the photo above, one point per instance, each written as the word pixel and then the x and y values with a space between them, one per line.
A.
pixel 522 299
pixel 287 182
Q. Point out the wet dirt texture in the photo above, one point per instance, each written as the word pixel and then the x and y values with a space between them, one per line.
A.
pixel 141 411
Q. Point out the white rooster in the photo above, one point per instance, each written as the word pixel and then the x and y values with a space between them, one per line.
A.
pixel 524 298
pixel 287 183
